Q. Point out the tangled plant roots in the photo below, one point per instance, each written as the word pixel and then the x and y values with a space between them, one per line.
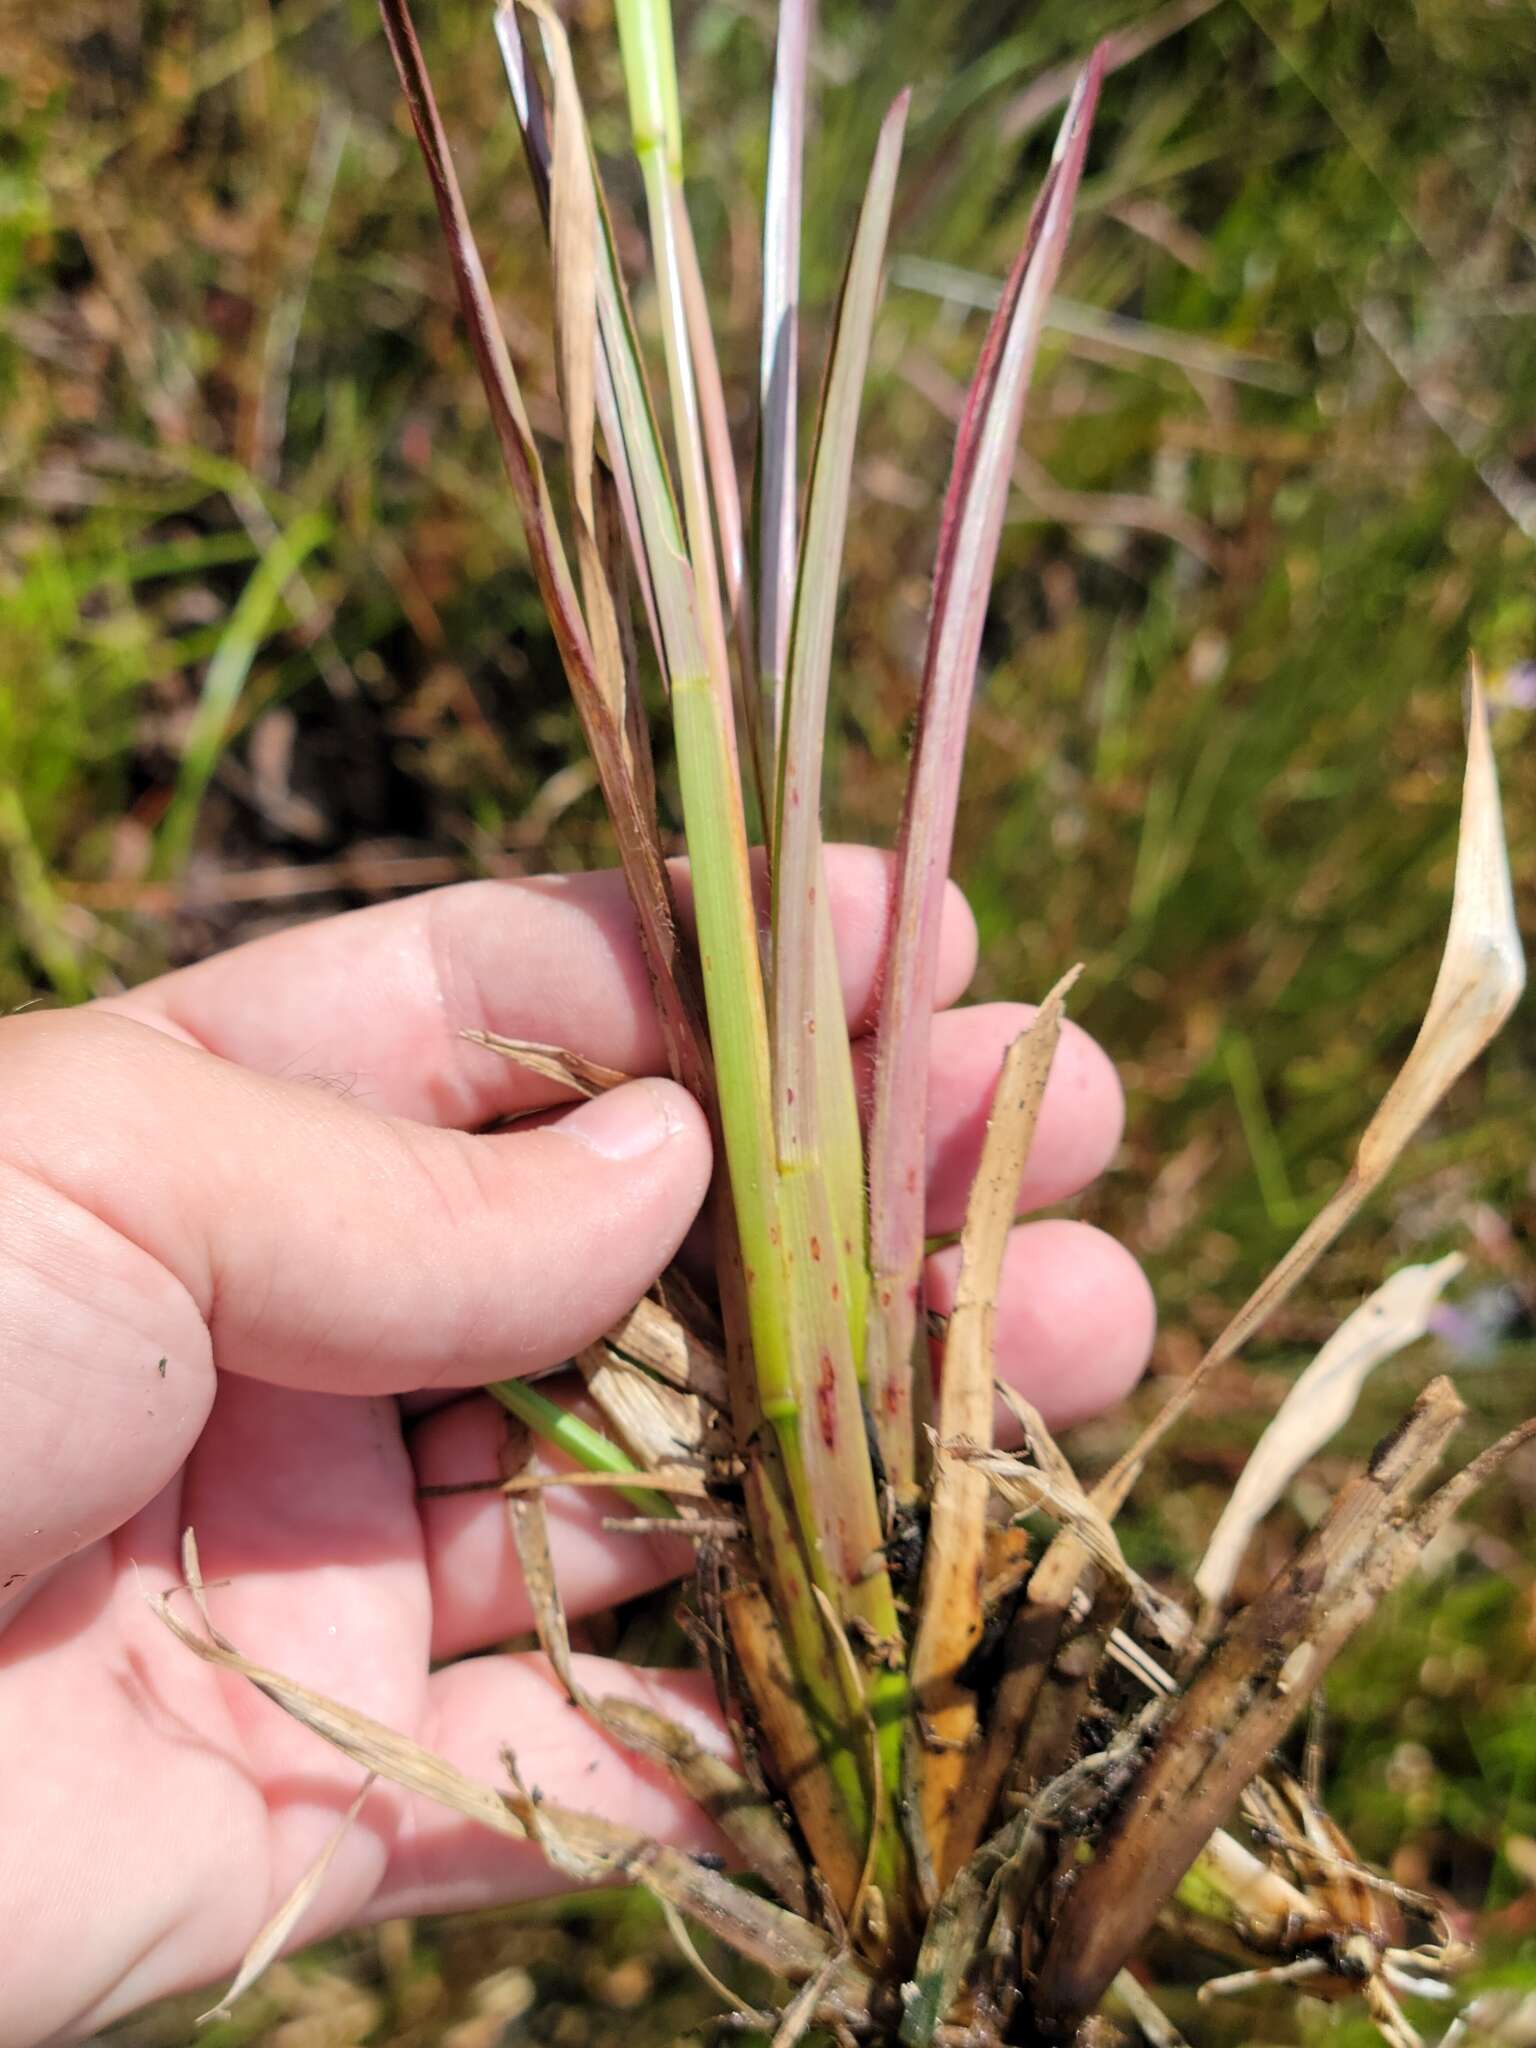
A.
pixel 975 1770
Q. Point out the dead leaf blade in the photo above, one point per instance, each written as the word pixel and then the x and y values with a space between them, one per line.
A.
pixel 1317 1407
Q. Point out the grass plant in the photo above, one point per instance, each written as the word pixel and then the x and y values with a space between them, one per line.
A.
pixel 1258 762
pixel 982 1767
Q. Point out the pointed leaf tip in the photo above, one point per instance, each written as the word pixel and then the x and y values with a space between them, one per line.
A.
pixel 1482 970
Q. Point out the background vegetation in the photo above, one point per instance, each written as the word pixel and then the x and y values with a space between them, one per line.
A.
pixel 270 648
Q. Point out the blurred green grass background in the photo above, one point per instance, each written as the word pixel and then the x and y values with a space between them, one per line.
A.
pixel 269 647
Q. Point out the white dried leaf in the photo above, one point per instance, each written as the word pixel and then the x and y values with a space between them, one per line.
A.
pixel 1318 1406
pixel 276 1934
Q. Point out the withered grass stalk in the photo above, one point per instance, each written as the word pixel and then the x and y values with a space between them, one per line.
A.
pixel 974 1774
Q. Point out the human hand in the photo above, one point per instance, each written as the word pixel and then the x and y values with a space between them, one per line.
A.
pixel 243 1212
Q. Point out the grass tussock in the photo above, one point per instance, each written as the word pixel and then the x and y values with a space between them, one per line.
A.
pixel 965 1822
pixel 1195 794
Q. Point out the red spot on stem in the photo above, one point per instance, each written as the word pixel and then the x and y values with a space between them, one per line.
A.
pixel 826 1401
pixel 816 1249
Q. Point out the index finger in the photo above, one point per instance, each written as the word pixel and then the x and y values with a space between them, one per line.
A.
pixel 376 1001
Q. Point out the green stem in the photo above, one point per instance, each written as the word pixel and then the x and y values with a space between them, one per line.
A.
pixel 580 1442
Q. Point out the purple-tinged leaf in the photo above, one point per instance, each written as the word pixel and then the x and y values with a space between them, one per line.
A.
pixel 779 363
pixel 967 552
pixel 634 828
pixel 797 833
pixel 726 491
pixel 533 124
pixel 814 1109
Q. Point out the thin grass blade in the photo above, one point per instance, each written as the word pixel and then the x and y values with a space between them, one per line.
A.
pixel 725 489
pixel 277 1934
pixel 573 238
pixel 650 71
pixel 815 1108
pixel 823 1440
pixel 967 551
pixel 634 828
pixel 533 124
pixel 226 676
pixel 580 1442
pixel 779 367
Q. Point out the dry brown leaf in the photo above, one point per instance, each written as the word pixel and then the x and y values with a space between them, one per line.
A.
pixel 654 1336
pixel 1029 1490
pixel 599 1851
pixel 274 1937
pixel 659 1426
pixel 746 1818
pixel 1047 1453
pixel 585 1845
pixel 1149 2016
pixel 746 2015
pixel 789 1739
pixel 736 1808
pixel 695 1528
pixel 1317 1407
pixel 530 1536
pixel 368 1742
pixel 551 1062
pixel 592 687
pixel 574 231
pixel 950 1617
pixel 800 2014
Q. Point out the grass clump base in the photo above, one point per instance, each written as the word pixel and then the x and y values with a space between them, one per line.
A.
pixel 981 1758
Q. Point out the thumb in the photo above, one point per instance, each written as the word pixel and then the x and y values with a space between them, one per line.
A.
pixel 171 1212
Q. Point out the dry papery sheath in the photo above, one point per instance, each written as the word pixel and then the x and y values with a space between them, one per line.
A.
pixel 980 1757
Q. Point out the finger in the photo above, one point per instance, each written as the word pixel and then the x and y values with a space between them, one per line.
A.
pixel 1082 1114
pixel 1074 1331
pixel 1075 1318
pixel 442 1863
pixel 175 1198
pixel 376 1001
pixel 478 1593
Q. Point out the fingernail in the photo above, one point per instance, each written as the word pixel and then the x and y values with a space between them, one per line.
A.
pixel 627 1123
